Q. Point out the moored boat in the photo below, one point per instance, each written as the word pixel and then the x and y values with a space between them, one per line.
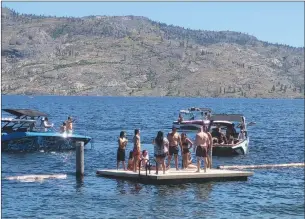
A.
pixel 239 144
pixel 22 134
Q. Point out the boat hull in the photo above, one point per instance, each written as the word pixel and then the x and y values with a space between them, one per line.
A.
pixel 192 125
pixel 33 141
pixel 241 148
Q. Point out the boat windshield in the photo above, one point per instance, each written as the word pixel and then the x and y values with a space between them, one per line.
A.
pixel 194 113
pixel 21 123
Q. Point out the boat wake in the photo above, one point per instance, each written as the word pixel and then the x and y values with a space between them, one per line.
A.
pixel 36 178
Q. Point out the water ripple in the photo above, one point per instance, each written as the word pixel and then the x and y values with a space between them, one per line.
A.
pixel 272 193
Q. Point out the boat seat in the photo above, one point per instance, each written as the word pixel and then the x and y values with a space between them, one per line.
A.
pixel 22 130
pixel 7 129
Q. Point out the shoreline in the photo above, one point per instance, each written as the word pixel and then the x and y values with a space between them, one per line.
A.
pixel 148 96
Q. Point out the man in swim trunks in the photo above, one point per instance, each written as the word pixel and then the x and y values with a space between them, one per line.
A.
pixel 202 142
pixel 174 139
pixel 69 125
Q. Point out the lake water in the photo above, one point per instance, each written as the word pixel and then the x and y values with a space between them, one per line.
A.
pixel 277 137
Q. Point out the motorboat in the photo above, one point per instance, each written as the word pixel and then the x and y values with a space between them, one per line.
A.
pixel 22 133
pixel 192 119
pixel 237 143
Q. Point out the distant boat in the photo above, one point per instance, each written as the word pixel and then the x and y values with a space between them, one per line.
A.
pixel 192 119
pixel 22 134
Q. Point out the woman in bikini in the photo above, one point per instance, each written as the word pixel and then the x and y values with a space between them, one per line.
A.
pixel 186 145
pixel 136 149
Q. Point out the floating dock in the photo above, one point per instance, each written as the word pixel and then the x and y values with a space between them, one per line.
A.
pixel 172 176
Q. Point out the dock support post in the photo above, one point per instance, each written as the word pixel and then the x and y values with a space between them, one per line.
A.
pixel 80 159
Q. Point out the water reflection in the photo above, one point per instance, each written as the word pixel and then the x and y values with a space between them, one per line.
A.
pixel 202 191
pixel 79 183
pixel 128 187
pixel 199 191
pixel 120 186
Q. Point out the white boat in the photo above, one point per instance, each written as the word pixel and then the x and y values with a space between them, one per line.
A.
pixel 240 144
pixel 192 119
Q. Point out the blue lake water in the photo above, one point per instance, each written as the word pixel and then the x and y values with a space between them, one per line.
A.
pixel 277 137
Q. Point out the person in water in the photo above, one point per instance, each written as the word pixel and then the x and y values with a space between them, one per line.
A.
pixel 136 149
pixel 201 142
pixel 160 150
pixel 63 128
pixel 174 139
pixel 186 145
pixel 122 141
pixel 69 125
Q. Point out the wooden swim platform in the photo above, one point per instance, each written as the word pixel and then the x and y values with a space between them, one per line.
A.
pixel 172 176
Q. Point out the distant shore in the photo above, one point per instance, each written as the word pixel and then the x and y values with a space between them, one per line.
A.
pixel 148 96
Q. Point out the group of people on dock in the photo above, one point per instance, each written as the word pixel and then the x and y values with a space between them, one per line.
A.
pixel 167 147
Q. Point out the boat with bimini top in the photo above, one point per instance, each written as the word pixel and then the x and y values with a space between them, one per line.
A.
pixel 226 140
pixel 22 134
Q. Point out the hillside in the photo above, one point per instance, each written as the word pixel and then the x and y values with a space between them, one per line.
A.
pixel 134 56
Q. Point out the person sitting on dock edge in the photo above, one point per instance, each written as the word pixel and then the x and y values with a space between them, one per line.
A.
pixel 144 158
pixel 130 161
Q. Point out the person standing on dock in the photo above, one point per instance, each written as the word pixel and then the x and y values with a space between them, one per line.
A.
pixel 186 145
pixel 136 149
pixel 121 150
pixel 174 139
pixel 160 150
pixel 210 149
pixel 202 142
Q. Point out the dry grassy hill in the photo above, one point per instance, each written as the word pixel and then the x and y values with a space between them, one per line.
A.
pixel 134 56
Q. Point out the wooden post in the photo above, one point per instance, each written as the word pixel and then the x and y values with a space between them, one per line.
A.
pixel 79 158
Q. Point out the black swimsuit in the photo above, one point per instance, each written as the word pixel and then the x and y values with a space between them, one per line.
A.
pixel 186 149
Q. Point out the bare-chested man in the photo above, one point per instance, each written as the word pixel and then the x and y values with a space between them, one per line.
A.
pixel 69 125
pixel 136 149
pixel 174 139
pixel 202 143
